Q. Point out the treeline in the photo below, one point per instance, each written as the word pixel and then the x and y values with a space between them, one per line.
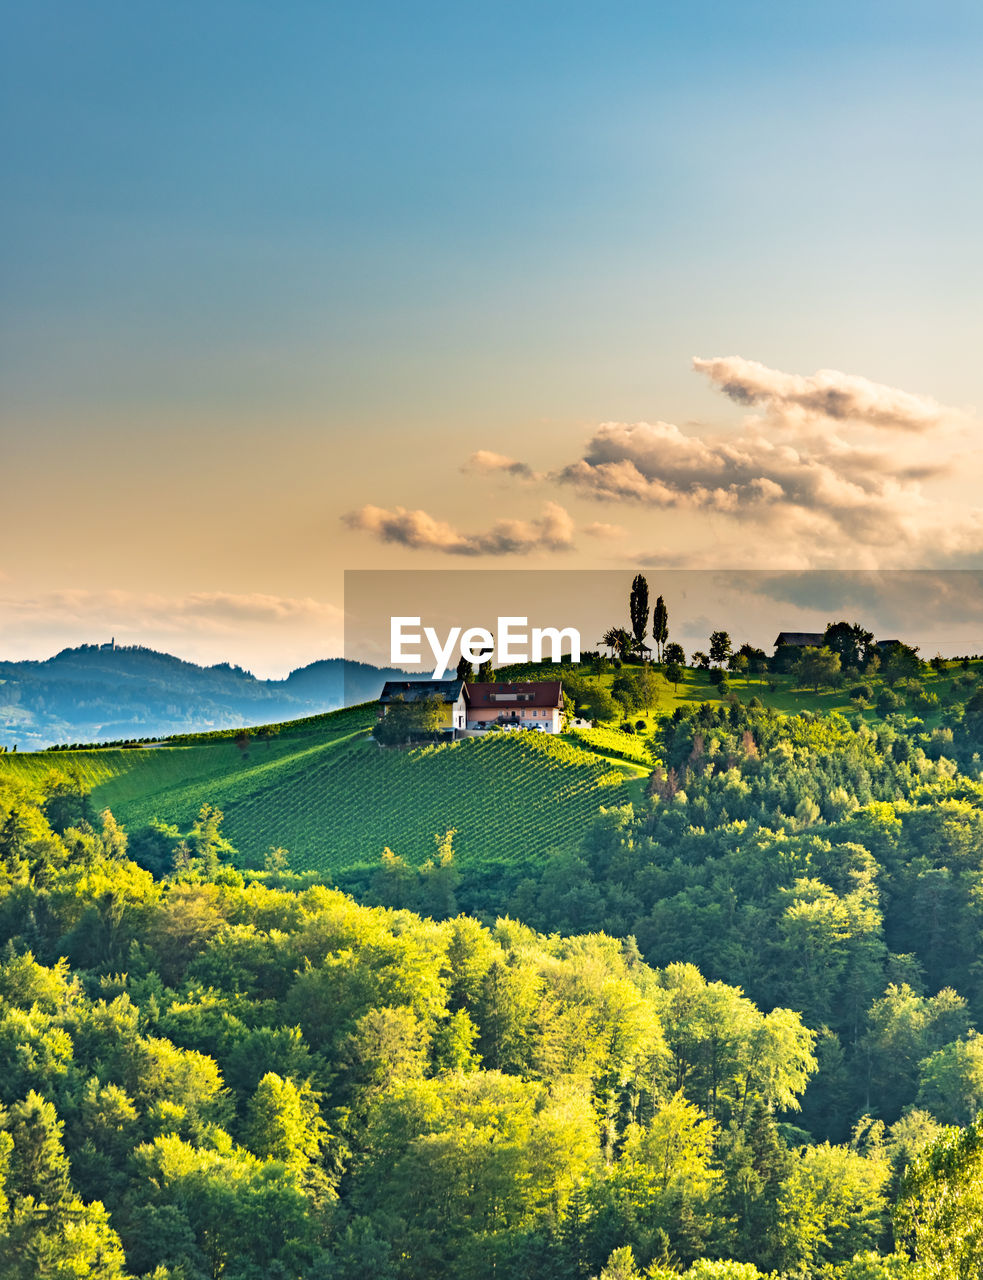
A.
pixel 203 1077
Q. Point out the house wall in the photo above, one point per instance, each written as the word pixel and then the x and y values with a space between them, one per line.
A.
pixel 547 718
pixel 459 716
pixel 453 715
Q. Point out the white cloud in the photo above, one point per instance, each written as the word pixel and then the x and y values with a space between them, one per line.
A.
pixel 488 461
pixel 598 529
pixel 811 502
pixel 828 393
pixel 553 531
pixel 828 469
pixel 790 487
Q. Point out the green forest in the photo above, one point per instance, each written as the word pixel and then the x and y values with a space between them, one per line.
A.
pixel 731 1034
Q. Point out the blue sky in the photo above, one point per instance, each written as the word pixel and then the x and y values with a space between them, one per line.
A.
pixel 305 258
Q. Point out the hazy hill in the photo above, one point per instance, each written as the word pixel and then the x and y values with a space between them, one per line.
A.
pixel 95 694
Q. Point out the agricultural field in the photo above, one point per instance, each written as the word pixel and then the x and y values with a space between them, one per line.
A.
pixel 612 742
pixel 324 790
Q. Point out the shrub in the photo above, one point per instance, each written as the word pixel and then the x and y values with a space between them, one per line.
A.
pixel 887 701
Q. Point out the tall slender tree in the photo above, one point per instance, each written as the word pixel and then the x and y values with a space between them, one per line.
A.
pixel 660 626
pixel 638 607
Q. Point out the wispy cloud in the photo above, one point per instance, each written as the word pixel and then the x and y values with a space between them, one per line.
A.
pixel 840 397
pixel 488 461
pixel 598 529
pixel 929 599
pixel 553 531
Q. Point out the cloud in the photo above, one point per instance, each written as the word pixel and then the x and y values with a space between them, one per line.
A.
pixel 598 529
pixel 219 607
pixel 655 463
pixel 553 531
pixel 793 487
pixel 488 461
pixel 809 501
pixel 840 397
pixel 267 633
pixel 828 469
pixel 899 600
pixel 213 609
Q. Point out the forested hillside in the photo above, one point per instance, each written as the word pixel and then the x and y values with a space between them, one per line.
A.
pixel 204 1077
pixel 729 1028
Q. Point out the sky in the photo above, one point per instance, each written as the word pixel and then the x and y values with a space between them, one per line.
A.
pixel 299 289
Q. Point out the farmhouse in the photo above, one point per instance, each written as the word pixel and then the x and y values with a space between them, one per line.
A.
pixel 529 704
pixel 801 639
pixel 477 706
pixel 450 692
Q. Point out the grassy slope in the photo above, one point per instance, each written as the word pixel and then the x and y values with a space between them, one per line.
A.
pixel 323 789
pixel 787 696
pixel 335 800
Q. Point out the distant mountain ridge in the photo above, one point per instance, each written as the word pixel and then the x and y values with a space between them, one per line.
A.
pixel 104 693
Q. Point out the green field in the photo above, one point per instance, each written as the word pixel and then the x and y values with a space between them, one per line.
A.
pixel 324 790
pixel 777 692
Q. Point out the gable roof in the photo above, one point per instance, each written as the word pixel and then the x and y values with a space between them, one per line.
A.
pixel 807 639
pixel 525 693
pixel 416 690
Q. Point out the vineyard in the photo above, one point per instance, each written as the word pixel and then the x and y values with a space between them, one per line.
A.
pixel 335 800
pixel 613 742
pixel 509 797
pixel 123 777
pixel 324 790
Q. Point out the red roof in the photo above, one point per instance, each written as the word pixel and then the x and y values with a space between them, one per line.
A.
pixel 524 693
